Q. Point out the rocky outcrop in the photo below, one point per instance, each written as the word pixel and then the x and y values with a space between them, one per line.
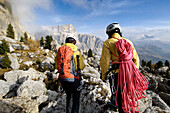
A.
pixel 18 105
pixel 7 18
pixel 84 41
pixel 14 61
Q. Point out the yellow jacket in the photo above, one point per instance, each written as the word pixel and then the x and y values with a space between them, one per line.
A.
pixel 74 48
pixel 109 48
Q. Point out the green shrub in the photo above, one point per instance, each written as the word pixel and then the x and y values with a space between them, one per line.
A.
pixel 143 63
pixel 38 61
pixel 159 64
pixel 149 64
pixel 90 54
pixel 167 63
pixel 10 32
pixel 49 39
pixel 4 47
pixel 5 61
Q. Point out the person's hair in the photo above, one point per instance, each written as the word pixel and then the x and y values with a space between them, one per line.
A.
pixel 70 40
pixel 116 30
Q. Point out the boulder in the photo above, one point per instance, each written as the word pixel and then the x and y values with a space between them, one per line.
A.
pixel 8 39
pixel 11 49
pixel 32 89
pixel 19 76
pixel 4 88
pixel 48 60
pixel 18 105
pixel 165 97
pixel 157 101
pixel 14 61
pixel 28 63
pixel 164 86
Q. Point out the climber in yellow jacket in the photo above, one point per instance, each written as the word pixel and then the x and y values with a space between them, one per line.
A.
pixel 109 53
pixel 72 88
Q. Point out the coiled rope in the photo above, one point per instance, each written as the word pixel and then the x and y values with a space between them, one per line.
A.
pixel 131 82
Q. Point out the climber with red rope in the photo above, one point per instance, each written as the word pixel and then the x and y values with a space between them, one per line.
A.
pixel 129 83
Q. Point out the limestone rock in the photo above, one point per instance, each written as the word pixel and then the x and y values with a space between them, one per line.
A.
pixel 28 63
pixel 157 101
pixel 14 61
pixel 18 105
pixel 32 89
pixel 8 39
pixel 19 76
pixel 4 88
pixel 165 97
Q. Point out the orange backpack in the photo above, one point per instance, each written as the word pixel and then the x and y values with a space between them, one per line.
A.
pixel 65 64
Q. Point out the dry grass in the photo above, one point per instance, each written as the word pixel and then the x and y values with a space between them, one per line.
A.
pixel 2 71
pixel 33 45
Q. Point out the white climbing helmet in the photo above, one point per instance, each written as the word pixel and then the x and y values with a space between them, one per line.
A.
pixel 112 27
pixel 71 36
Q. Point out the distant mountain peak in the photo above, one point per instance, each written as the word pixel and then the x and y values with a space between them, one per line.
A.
pixel 68 28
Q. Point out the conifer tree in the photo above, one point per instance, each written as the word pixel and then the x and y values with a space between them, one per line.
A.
pixel 143 63
pixel 49 39
pixel 4 47
pixel 166 63
pixel 25 37
pixel 42 42
pixel 22 39
pixel 149 64
pixel 5 61
pixel 90 54
pixel 159 64
pixel 10 32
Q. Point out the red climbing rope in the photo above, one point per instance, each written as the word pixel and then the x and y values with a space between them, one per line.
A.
pixel 131 82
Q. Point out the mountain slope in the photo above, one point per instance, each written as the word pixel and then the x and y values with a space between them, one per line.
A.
pixel 7 17
pixel 84 41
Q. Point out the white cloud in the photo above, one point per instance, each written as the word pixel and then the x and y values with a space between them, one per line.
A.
pixel 24 9
pixel 99 7
pixel 57 19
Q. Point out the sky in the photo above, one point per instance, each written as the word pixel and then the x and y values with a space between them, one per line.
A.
pixel 92 16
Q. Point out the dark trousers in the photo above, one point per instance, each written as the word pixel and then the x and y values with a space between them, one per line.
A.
pixel 73 96
pixel 119 96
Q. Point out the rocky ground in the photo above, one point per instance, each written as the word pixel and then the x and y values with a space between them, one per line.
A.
pixel 30 85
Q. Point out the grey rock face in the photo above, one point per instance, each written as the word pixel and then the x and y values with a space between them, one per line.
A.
pixel 8 39
pixel 6 18
pixel 14 61
pixel 18 105
pixel 157 101
pixel 31 88
pixel 19 76
pixel 54 45
pixel 4 88
pixel 28 63
pixel 84 41
pixel 165 97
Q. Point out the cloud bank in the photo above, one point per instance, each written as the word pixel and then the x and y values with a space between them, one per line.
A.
pixel 24 10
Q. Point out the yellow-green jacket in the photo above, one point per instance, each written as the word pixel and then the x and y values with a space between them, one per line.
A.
pixel 109 48
pixel 74 48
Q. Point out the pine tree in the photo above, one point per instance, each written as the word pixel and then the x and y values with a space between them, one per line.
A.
pixel 42 42
pixel 90 54
pixel 4 47
pixel 22 39
pixel 49 39
pixel 159 64
pixel 143 63
pixel 166 63
pixel 25 37
pixel 10 32
pixel 149 64
pixel 5 61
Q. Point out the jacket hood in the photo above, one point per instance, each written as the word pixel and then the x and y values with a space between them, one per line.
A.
pixel 73 47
